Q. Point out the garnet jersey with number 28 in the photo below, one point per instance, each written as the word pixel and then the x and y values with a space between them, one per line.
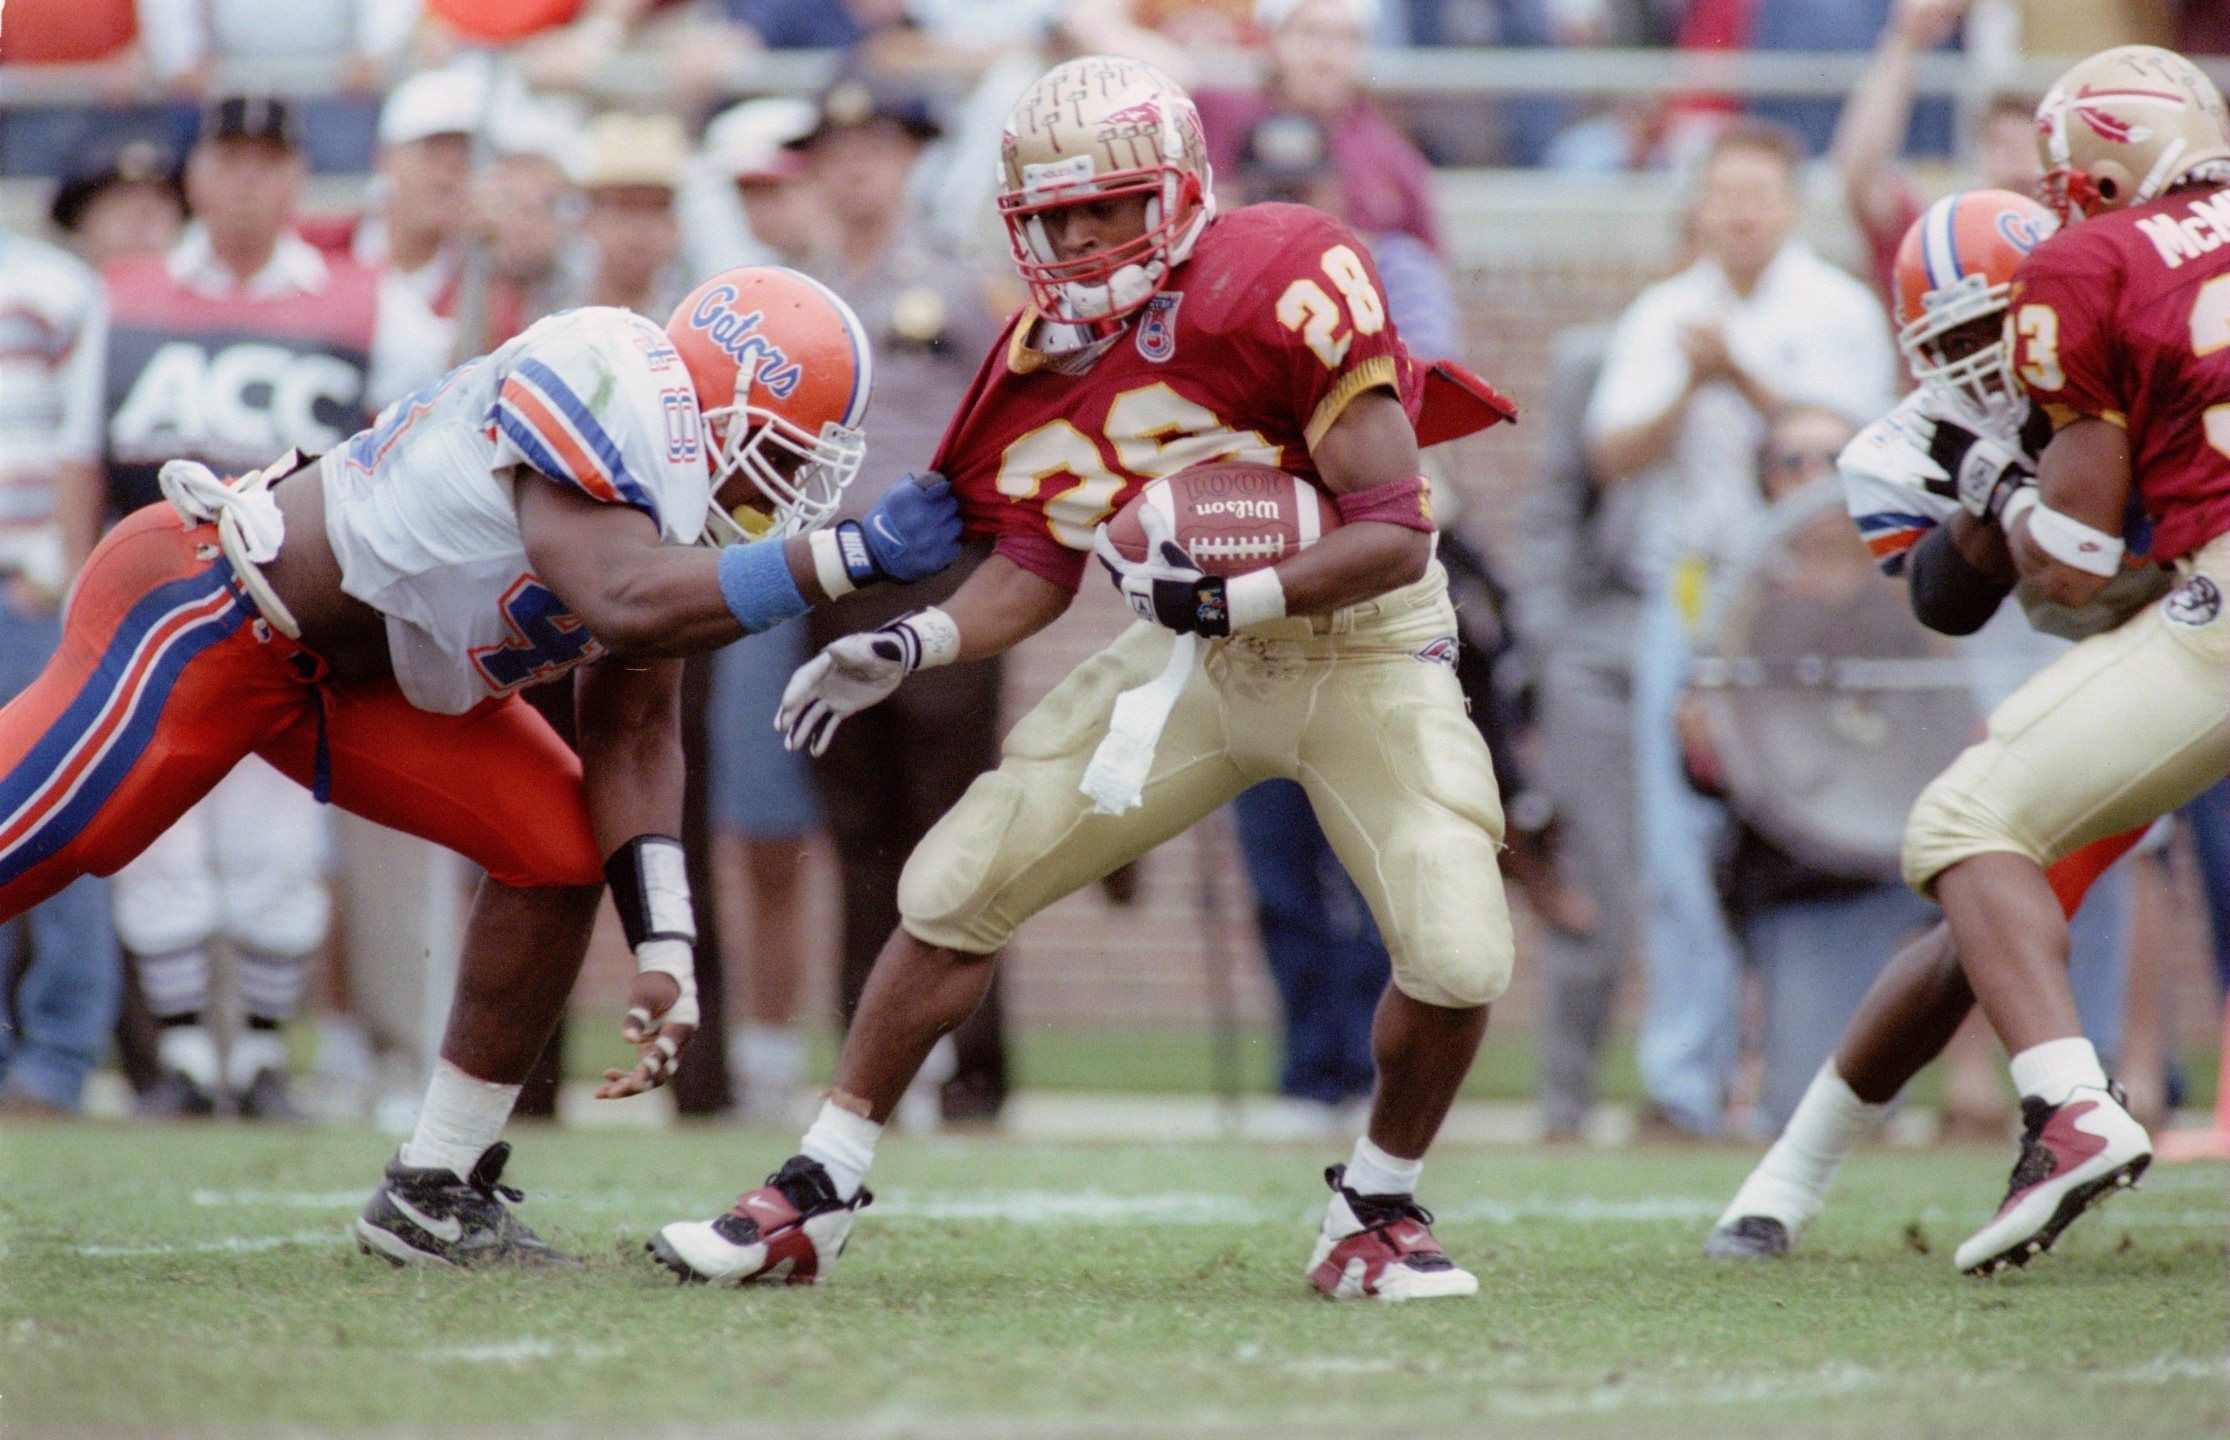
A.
pixel 1257 344
pixel 2126 318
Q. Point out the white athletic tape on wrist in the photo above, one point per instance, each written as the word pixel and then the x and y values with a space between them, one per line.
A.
pixel 938 635
pixel 678 959
pixel 1254 598
pixel 828 564
pixel 2065 538
pixel 1115 781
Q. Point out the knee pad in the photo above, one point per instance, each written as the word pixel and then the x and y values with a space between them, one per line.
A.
pixel 279 911
pixel 1951 822
pixel 1450 934
pixel 952 874
pixel 273 895
pixel 166 898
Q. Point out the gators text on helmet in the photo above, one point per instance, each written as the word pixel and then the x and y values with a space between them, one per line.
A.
pixel 783 376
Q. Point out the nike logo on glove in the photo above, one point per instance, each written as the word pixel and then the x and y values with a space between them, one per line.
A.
pixel 882 528
pixel 448 1231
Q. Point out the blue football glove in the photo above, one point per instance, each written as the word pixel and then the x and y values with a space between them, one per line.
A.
pixel 912 533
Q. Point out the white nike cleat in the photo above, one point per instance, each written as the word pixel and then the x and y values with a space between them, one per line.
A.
pixel 789 1230
pixel 2072 1154
pixel 1380 1247
pixel 432 1217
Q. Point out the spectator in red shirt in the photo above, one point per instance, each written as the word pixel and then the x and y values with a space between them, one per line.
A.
pixel 1871 136
pixel 1316 53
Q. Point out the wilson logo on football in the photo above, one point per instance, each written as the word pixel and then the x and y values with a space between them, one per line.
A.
pixel 737 337
pixel 1157 326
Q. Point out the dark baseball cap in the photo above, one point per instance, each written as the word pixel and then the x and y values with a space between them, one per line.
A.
pixel 856 100
pixel 138 160
pixel 251 117
pixel 1283 156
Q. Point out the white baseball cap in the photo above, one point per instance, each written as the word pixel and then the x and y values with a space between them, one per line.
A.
pixel 749 141
pixel 430 103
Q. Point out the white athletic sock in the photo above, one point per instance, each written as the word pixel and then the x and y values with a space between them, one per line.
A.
pixel 2051 1071
pixel 190 1050
pixel 270 985
pixel 1790 1183
pixel 767 1057
pixel 1371 1171
pixel 461 1118
pixel 176 983
pixel 252 1052
pixel 844 1143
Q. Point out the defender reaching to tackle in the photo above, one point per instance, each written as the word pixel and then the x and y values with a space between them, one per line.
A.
pixel 597 496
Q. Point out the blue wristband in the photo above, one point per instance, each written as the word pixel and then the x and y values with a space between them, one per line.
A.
pixel 756 582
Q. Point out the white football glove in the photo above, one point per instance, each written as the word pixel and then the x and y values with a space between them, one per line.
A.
pixel 858 671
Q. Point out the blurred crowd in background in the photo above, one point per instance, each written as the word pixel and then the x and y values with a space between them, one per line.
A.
pixel 229 269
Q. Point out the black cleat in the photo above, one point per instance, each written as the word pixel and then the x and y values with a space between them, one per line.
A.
pixel 1750 1237
pixel 430 1217
pixel 175 1096
pixel 269 1099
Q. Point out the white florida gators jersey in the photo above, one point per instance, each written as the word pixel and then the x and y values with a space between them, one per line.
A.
pixel 420 510
pixel 1887 473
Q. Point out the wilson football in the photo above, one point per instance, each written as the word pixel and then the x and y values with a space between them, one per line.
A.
pixel 1231 517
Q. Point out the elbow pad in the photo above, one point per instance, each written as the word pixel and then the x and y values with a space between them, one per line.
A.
pixel 1949 595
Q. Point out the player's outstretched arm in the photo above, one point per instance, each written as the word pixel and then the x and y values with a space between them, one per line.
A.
pixel 645 599
pixel 996 608
pixel 2066 533
pixel 1371 446
pixel 628 715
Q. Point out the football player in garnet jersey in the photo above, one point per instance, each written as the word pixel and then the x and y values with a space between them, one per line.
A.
pixel 2121 332
pixel 1161 334
pixel 1921 484
pixel 597 490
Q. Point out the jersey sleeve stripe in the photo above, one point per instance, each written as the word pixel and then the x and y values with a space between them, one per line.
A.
pixel 554 451
pixel 1372 373
pixel 570 414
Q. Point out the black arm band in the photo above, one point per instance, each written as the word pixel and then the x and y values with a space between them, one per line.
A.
pixel 1950 595
pixel 649 876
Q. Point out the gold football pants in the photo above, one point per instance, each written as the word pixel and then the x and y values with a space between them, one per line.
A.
pixel 1361 707
pixel 2122 729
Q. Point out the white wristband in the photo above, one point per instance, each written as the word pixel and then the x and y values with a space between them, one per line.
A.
pixel 1254 598
pixel 938 635
pixel 2069 541
pixel 828 564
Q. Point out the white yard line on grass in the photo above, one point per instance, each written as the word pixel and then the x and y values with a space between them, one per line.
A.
pixel 226 1245
pixel 1826 1383
pixel 526 1350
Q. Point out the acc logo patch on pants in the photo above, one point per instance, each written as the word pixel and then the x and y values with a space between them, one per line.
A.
pixel 2194 603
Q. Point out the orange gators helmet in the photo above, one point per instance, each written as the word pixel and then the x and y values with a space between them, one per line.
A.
pixel 1089 129
pixel 2122 127
pixel 1954 267
pixel 783 374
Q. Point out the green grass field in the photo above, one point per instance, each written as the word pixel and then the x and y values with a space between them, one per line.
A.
pixel 170 1282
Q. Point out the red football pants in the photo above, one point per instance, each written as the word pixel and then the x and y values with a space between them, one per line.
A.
pixel 167 678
